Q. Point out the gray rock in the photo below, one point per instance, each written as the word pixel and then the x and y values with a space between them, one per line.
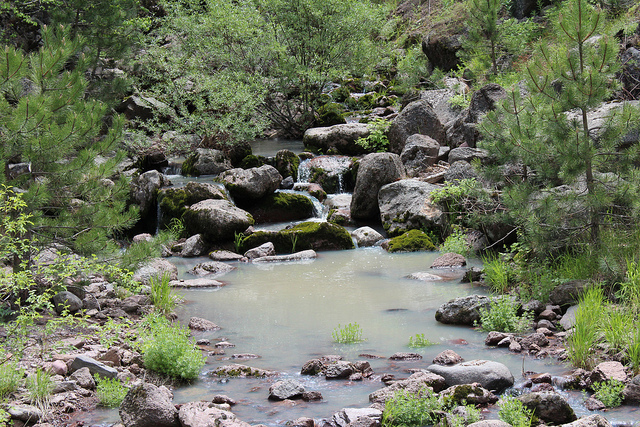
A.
pixel 568 320
pixel 193 246
pixel 467 154
pixel 313 367
pixel 241 371
pixel 549 407
pixel 419 152
pixel 405 356
pixel 216 219
pixel 225 256
pixel 366 236
pixel 155 268
pixel 64 386
pixel 568 293
pixel 265 249
pixel 144 190
pixel 631 391
pixel 349 416
pixel 28 414
pixel 144 107
pixel 196 283
pixel 463 310
pixel 143 237
pixel 200 324
pixel 286 389
pixel 146 405
pixel 471 394
pixel 205 414
pixel 214 268
pixel 406 205
pixel 449 260
pixel 95 367
pixel 611 370
pixel 595 420
pixel 415 384
pixel 424 277
pixel 65 300
pixel 207 161
pixel 342 137
pixel 253 183
pixel 447 357
pixel 439 100
pixel 490 423
pixel 375 170
pixel 302 422
pixel 339 370
pixel 309 254
pixel 416 118
pixel 491 375
pixel 460 170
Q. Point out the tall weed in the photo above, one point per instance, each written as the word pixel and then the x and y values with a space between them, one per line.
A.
pixel 498 273
pixel 10 378
pixel 586 330
pixel 162 296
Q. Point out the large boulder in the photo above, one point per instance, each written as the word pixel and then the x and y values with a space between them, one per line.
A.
pixel 464 130
pixel 441 50
pixel 174 201
pixel 352 416
pixel 206 162
pixel 253 183
pixel 491 375
pixel 282 207
pixel 568 293
pixel 146 405
pixel 287 163
pixel 419 152
pixel 406 205
pixel 319 236
pixel 155 268
pixel 631 391
pixel 375 170
pixel 416 118
pixel 216 219
pixel 66 301
pixel 463 310
pixel 144 190
pixel 340 137
pixel 549 406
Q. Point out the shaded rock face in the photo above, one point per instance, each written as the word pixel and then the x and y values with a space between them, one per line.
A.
pixel 319 236
pixel 146 405
pixel 376 170
pixel 253 183
pixel 416 118
pixel 549 407
pixel 631 71
pixel 216 219
pixel 341 137
pixel 419 152
pixel 144 190
pixel 463 310
pixel 206 162
pixel 406 205
pixel 491 375
pixel 467 154
pixel 442 51
pixel 567 293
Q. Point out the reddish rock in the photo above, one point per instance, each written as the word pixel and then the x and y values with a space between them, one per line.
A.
pixel 449 260
pixel 447 357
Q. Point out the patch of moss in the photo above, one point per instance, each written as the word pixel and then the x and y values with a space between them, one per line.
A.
pixel 252 161
pixel 173 202
pixel 188 166
pixel 287 163
pixel 411 241
pixel 280 206
pixel 319 236
pixel 330 114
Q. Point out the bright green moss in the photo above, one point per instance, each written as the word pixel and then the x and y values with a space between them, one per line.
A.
pixel 411 241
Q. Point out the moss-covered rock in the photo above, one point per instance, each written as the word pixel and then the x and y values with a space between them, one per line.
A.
pixel 252 161
pixel 281 206
pixel 287 163
pixel 174 201
pixel 330 114
pixel 319 236
pixel 411 241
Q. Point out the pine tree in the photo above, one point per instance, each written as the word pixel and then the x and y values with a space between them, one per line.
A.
pixel 547 133
pixel 69 179
pixel 484 28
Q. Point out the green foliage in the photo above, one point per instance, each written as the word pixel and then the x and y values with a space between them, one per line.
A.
pixel 419 341
pixel 633 351
pixel 348 334
pixel 456 242
pixel 10 378
pixel 502 316
pixel 517 35
pixel 411 241
pixel 377 140
pixel 238 239
pixel 585 333
pixel 499 273
pixel 294 241
pixel 412 68
pixel 514 412
pixel 609 392
pixel 406 409
pixel 456 196
pixel 39 387
pixel 629 291
pixel 170 351
pixel 162 298
pixel 484 30
pixel 110 391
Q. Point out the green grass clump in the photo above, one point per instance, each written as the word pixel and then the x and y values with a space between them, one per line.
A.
pixel 163 299
pixel 419 341
pixel 502 316
pixel 585 333
pixel 411 409
pixel 110 392
pixel 40 386
pixel 170 351
pixel 498 273
pixel 609 392
pixel 514 412
pixel 10 379
pixel 348 334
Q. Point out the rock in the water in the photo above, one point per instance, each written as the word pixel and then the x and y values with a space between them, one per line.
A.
pixel 419 152
pixel 146 405
pixel 253 183
pixel 425 277
pixel 265 249
pixel 199 324
pixel 491 375
pixel 416 118
pixel 415 384
pixel 406 204
pixel 196 283
pixel 313 367
pixel 286 389
pixel 204 414
pixel 174 201
pixel 471 394
pixel 405 356
pixel 447 357
pixel 375 170
pixel 214 268
pixel 225 256
pixel 348 416
pixel 631 391
pixel 193 246
pixel 309 254
pixel 216 219
pixel 449 260
pixel 366 236
pixel 611 370
pixel 241 371
pixel 144 190
pixel 95 367
pixel 342 137
pixel 206 161
pixel 155 268
pixel 549 407
pixel 490 423
pixel 314 235
pixel 339 370
pixel 463 310
pixel 65 300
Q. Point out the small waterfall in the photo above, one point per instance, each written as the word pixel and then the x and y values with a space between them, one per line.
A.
pixel 328 171
pixel 318 208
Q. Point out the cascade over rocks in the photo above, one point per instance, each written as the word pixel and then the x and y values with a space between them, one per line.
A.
pixel 491 375
pixel 416 118
pixel 376 170
pixel 419 152
pixel 341 137
pixel 251 184
pixel 206 161
pixel 216 219
pixel 146 405
pixel 463 310
pixel 406 205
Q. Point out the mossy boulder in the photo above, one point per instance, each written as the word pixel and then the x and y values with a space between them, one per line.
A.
pixel 252 161
pixel 281 206
pixel 330 114
pixel 287 163
pixel 175 201
pixel 411 241
pixel 206 162
pixel 216 220
pixel 319 236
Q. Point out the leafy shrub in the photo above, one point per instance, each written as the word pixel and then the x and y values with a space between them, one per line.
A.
pixel 170 351
pixel 457 242
pixel 419 341
pixel 348 334
pixel 110 392
pixel 377 140
pixel 411 409
pixel 10 378
pixel 502 316
pixel 514 412
pixel 609 392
